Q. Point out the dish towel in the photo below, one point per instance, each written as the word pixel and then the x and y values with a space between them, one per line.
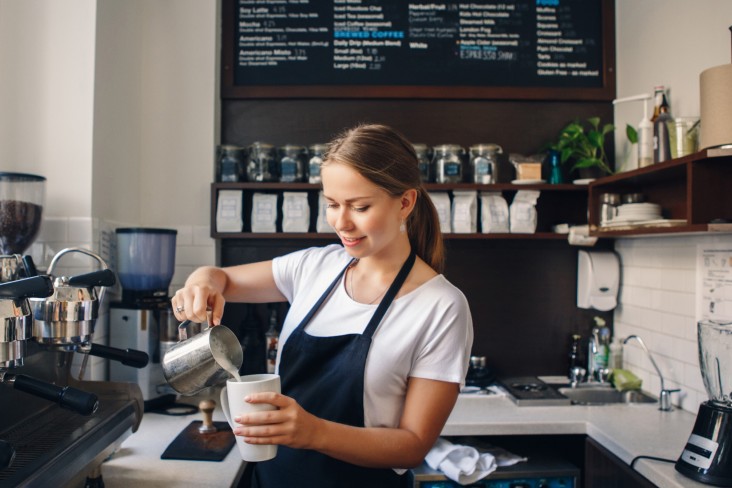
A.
pixel 467 464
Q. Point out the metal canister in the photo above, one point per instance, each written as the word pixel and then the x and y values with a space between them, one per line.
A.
pixel 292 162
pixel 448 162
pixel 262 164
pixel 484 162
pixel 424 162
pixel 317 154
pixel 609 203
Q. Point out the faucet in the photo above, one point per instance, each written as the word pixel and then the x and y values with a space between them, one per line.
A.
pixel 664 398
pixel 591 351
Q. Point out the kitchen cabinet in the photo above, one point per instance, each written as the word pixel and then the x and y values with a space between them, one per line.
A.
pixel 605 470
pixel 693 192
pixel 564 203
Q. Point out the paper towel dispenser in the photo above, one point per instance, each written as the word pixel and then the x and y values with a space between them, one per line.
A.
pixel 598 280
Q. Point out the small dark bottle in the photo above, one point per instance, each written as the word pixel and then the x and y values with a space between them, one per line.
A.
pixel 661 144
pixel 574 352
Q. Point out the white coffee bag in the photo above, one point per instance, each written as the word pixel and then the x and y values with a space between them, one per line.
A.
pixel 295 212
pixel 465 211
pixel 264 212
pixel 441 200
pixel 493 213
pixel 523 212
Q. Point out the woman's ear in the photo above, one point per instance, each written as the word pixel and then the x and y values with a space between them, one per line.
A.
pixel 408 201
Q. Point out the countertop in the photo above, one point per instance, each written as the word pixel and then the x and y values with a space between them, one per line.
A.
pixel 137 463
pixel 625 430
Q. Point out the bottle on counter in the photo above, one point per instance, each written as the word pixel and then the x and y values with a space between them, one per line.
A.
pixel 272 339
pixel 616 354
pixel 555 167
pixel 575 352
pixel 601 335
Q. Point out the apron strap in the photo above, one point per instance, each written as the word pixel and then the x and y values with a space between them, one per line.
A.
pixel 323 297
pixel 391 293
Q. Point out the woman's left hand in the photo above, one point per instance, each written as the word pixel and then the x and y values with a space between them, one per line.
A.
pixel 290 425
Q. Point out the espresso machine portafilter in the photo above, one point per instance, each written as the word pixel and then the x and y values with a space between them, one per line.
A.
pixel 16 331
pixel 65 319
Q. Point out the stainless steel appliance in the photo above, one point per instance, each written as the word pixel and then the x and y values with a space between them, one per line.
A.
pixel 707 456
pixel 42 444
pixel 143 319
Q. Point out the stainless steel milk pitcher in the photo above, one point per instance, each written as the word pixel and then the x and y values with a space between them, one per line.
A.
pixel 199 362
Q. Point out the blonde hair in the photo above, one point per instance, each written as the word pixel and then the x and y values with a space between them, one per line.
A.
pixel 387 159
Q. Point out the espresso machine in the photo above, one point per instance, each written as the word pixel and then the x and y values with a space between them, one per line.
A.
pixel 707 456
pixel 143 319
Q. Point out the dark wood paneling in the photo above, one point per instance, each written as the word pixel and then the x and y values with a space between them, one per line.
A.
pixel 518 126
pixel 522 292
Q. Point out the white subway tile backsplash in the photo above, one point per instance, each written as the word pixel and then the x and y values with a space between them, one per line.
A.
pixel 202 236
pixel 195 255
pixel 658 303
pixel 184 236
pixel 53 229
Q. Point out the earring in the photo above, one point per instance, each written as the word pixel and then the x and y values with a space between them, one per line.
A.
pixel 403 227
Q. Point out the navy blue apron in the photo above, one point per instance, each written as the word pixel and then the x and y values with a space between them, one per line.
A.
pixel 326 377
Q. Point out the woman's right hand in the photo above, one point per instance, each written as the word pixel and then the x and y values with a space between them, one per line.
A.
pixel 194 301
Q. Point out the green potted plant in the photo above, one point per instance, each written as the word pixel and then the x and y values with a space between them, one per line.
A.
pixel 583 146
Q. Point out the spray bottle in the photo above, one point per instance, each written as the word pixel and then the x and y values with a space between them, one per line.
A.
pixel 645 130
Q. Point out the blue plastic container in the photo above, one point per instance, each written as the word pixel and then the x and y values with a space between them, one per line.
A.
pixel 145 258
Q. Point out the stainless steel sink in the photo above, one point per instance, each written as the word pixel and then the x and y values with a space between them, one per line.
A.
pixel 603 395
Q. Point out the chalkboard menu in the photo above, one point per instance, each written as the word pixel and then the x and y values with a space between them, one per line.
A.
pixel 518 48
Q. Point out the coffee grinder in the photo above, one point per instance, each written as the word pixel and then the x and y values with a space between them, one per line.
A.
pixel 707 456
pixel 143 319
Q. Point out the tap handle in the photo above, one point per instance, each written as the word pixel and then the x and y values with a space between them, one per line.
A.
pixel 66 396
pixel 664 401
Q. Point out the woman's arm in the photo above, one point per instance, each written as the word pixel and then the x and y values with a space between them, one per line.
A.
pixel 209 287
pixel 427 407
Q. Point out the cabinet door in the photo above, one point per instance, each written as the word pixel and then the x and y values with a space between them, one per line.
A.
pixel 605 470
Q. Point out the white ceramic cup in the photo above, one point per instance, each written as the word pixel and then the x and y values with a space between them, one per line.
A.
pixel 233 404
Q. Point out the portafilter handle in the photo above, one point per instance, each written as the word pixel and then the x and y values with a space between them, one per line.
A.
pixel 128 357
pixel 35 287
pixel 66 396
pixel 104 277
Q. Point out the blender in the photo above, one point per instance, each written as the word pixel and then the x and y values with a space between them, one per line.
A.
pixel 707 456
pixel 21 206
pixel 143 319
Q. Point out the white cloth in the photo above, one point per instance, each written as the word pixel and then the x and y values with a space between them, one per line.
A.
pixel 467 464
pixel 427 333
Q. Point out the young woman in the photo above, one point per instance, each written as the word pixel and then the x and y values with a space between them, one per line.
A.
pixel 376 341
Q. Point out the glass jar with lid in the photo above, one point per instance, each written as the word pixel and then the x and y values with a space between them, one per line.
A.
pixel 484 162
pixel 448 163
pixel 262 165
pixel 424 161
pixel 293 159
pixel 230 161
pixel 317 154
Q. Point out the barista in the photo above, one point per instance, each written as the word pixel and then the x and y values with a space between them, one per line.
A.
pixel 376 342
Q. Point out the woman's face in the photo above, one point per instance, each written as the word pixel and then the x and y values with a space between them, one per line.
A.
pixel 366 218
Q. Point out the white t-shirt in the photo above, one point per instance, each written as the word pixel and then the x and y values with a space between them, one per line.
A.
pixel 427 333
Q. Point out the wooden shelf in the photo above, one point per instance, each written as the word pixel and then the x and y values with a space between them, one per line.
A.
pixel 694 189
pixel 563 203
